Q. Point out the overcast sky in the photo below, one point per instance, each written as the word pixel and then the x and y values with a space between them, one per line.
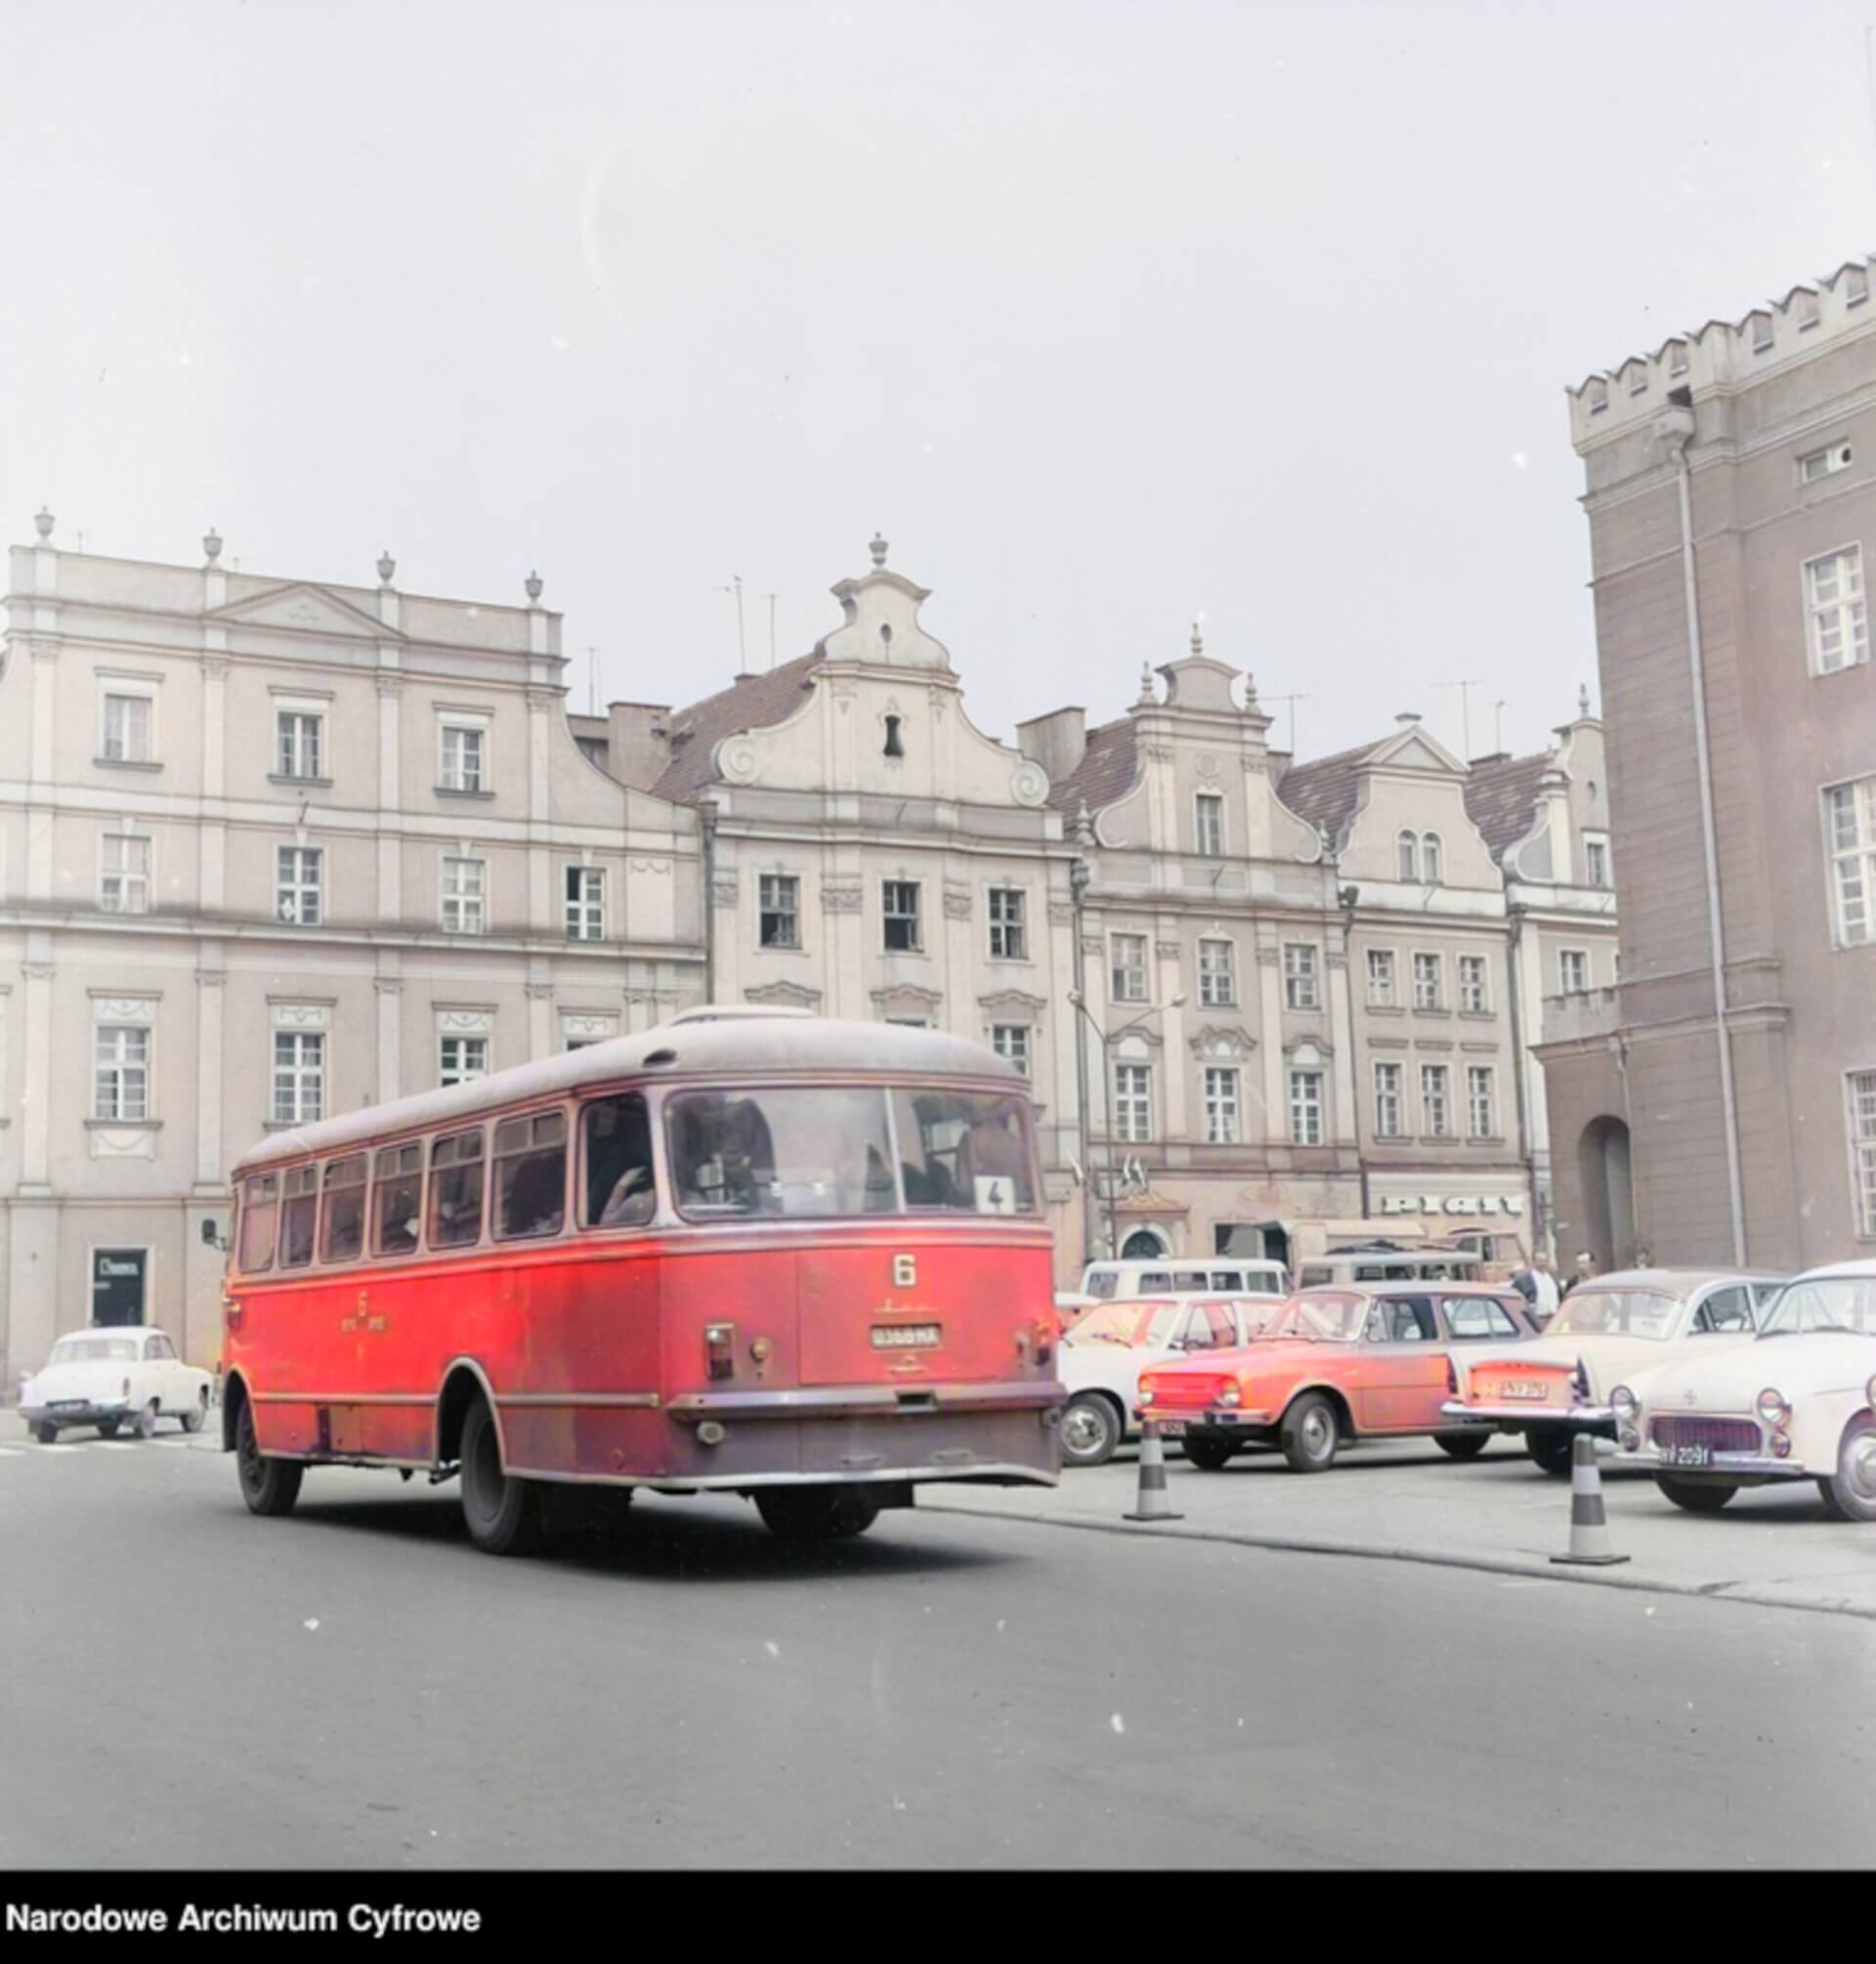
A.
pixel 1107 317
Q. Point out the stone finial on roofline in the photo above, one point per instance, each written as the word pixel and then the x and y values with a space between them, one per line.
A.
pixel 43 523
pixel 1583 699
pixel 387 566
pixel 1198 640
pixel 878 548
pixel 1146 683
pixel 212 545
pixel 533 584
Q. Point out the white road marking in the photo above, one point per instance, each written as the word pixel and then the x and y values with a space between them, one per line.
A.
pixel 58 1449
pixel 12 1452
pixel 117 1446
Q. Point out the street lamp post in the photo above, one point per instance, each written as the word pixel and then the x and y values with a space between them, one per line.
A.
pixel 1105 1038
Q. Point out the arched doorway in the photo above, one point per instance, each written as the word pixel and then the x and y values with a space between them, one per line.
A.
pixel 1144 1244
pixel 1608 1195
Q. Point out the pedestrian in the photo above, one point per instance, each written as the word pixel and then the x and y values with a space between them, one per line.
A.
pixel 1548 1298
pixel 1525 1281
pixel 1644 1255
pixel 1585 1268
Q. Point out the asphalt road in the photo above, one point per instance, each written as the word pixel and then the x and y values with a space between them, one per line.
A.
pixel 355 1687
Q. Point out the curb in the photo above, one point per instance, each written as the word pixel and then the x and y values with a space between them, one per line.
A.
pixel 1536 1567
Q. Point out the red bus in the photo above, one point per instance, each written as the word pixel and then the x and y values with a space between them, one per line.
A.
pixel 802 1260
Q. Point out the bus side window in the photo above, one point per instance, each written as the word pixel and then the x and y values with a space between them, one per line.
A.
pixel 619 1189
pixel 456 1191
pixel 296 1217
pixel 530 1175
pixel 260 1205
pixel 396 1199
pixel 342 1224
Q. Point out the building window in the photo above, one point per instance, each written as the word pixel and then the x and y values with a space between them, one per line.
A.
pixel 1129 969
pixel 1598 395
pixel 1217 973
pixel 1761 337
pixel 1823 463
pixel 1380 978
pixel 1573 970
pixel 1007 934
pixel 462 895
pixel 1430 858
pixel 1208 808
pixel 1855 285
pixel 1407 858
pixel 1387 1121
pixel 1479 1114
pixel 461 762
pixel 1595 860
pixel 1427 986
pixel 1221 1105
pixel 1638 373
pixel 1677 358
pixel 893 748
pixel 124 884
pixel 1862 1147
pixel 1010 1041
pixel 1850 820
pixel 302 741
pixel 1299 975
pixel 1133 1102
pixel 120 1080
pixel 1837 618
pixel 1305 1108
pixel 299 874
pixel 129 729
pixel 1806 309
pixel 459 1059
pixel 1434 1120
pixel 299 1077
pixel 1471 983
pixel 779 909
pixel 585 903
pixel 902 916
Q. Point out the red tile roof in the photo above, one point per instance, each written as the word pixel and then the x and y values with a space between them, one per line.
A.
pixel 749 703
pixel 1106 771
pixel 1323 793
pixel 1500 798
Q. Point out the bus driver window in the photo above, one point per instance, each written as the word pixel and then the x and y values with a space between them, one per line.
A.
pixel 618 1186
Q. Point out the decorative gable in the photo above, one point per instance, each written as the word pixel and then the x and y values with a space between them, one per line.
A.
pixel 306 609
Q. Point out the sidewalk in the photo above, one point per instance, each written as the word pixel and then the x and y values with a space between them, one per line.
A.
pixel 1410 1503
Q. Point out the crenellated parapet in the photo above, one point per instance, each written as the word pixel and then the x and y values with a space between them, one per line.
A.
pixel 1723 355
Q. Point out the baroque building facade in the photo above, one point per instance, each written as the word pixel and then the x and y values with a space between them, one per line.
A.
pixel 1718 1101
pixel 273 849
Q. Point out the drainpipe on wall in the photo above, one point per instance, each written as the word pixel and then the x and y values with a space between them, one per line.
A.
pixel 1077 878
pixel 1521 1063
pixel 706 821
pixel 1675 429
pixel 1350 898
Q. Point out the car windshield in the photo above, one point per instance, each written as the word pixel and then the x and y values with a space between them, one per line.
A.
pixel 1126 1323
pixel 1320 1319
pixel 94 1351
pixel 1829 1303
pixel 1615 1313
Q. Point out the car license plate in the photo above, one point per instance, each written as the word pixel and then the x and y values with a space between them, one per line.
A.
pixel 1527 1391
pixel 905 1336
pixel 1686 1456
pixel 66 1405
pixel 1172 1429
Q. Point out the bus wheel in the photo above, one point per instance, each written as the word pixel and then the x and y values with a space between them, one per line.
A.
pixel 502 1515
pixel 267 1485
pixel 815 1513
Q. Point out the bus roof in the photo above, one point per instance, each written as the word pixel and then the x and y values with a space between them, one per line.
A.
pixel 736 1047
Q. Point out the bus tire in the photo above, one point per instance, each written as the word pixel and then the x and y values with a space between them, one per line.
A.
pixel 269 1486
pixel 502 1514
pixel 803 1513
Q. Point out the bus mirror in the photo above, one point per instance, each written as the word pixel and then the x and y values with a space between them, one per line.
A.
pixel 212 1237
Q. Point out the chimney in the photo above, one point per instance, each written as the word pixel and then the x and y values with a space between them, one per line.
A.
pixel 638 742
pixel 1057 741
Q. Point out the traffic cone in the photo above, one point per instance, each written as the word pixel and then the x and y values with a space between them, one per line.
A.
pixel 1589 1525
pixel 1151 1503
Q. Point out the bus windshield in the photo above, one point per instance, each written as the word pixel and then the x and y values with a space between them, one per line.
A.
pixel 801 1152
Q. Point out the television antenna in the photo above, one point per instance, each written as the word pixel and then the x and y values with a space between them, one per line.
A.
pixel 1465 713
pixel 742 650
pixel 1293 700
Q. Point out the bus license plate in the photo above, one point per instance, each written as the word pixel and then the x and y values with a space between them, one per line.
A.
pixel 905 1336
pixel 1686 1456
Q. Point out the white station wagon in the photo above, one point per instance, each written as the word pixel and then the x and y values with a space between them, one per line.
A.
pixel 1796 1404
pixel 112 1377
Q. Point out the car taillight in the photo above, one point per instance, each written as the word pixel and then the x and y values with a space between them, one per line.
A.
pixel 719 1348
pixel 1452 1377
pixel 1579 1384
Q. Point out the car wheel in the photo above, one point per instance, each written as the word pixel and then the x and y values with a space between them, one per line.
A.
pixel 805 1514
pixel 1696 1496
pixel 107 1428
pixel 147 1421
pixel 1462 1445
pixel 1311 1433
pixel 45 1435
pixel 1550 1447
pixel 1090 1431
pixel 1207 1451
pixel 193 1421
pixel 1850 1493
pixel 269 1485
pixel 502 1514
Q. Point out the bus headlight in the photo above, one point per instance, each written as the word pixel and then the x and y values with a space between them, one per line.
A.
pixel 719 1348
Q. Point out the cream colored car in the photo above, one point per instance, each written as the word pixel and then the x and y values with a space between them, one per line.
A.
pixel 1796 1404
pixel 112 1378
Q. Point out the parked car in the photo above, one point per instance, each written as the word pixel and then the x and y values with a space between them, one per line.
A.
pixel 1102 1357
pixel 1225 1275
pixel 1071 1307
pixel 1795 1404
pixel 1335 1367
pixel 1359 1262
pixel 112 1377
pixel 1608 1328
